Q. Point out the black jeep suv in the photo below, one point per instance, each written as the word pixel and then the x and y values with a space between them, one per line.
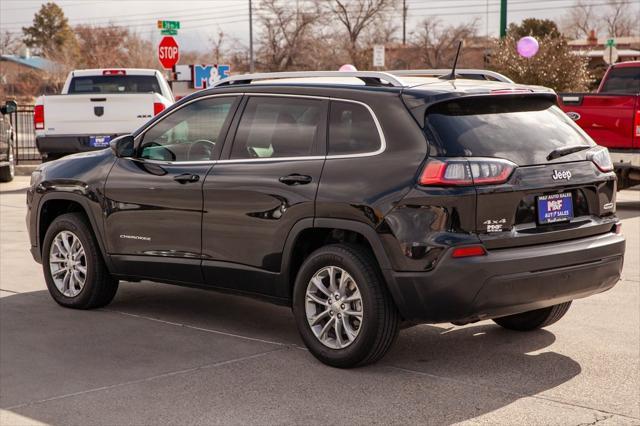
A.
pixel 359 199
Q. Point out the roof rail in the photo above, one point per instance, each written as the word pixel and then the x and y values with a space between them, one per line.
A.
pixel 445 71
pixel 370 78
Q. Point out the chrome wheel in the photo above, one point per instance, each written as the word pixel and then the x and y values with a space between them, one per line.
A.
pixel 333 306
pixel 68 263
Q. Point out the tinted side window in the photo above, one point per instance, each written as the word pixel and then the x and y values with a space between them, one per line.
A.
pixel 352 129
pixel 277 127
pixel 191 133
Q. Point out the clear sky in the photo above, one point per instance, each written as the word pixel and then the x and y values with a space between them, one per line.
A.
pixel 200 19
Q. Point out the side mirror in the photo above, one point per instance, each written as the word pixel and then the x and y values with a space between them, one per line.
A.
pixel 9 107
pixel 123 146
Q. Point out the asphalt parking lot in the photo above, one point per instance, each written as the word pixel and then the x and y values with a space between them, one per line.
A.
pixel 164 354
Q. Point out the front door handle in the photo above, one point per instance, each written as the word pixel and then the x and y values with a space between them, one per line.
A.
pixel 186 178
pixel 295 179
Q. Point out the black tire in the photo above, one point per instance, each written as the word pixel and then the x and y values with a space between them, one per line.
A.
pixel 100 287
pixel 8 172
pixel 380 321
pixel 533 320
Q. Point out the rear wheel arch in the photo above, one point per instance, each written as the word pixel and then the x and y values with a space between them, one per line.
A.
pixel 308 235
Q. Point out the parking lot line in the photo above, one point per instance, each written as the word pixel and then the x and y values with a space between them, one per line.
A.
pixel 145 379
pixel 207 330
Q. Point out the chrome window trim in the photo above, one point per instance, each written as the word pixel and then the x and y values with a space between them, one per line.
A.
pixel 391 79
pixel 380 150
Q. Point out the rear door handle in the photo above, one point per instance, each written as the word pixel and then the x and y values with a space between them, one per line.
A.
pixel 186 178
pixel 295 179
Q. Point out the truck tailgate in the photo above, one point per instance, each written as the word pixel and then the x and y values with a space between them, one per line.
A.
pixel 97 114
pixel 607 118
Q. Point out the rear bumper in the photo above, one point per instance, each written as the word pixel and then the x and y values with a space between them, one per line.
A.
pixel 68 144
pixel 509 281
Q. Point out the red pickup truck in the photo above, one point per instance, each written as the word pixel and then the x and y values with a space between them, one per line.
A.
pixel 611 116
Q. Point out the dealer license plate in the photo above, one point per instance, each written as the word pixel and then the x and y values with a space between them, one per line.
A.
pixel 99 141
pixel 555 208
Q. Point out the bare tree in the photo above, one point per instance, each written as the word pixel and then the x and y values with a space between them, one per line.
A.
pixel 620 20
pixel 581 19
pixel 10 43
pixel 437 43
pixel 355 17
pixel 113 46
pixel 615 19
pixel 141 53
pixel 285 33
pixel 217 42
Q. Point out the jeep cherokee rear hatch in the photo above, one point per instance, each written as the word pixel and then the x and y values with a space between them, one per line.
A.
pixel 538 177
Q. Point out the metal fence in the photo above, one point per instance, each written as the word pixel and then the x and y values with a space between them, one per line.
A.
pixel 25 142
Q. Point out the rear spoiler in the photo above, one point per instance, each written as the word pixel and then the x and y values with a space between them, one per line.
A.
pixel 418 105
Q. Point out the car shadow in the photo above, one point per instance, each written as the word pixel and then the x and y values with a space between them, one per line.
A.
pixel 459 372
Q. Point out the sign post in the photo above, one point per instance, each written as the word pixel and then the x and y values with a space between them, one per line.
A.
pixel 378 55
pixel 168 52
pixel 610 54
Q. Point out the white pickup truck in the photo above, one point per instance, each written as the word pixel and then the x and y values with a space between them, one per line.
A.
pixel 95 106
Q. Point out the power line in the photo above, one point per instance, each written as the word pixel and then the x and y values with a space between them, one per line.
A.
pixel 129 17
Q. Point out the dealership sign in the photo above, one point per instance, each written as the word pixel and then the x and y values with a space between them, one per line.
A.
pixel 201 76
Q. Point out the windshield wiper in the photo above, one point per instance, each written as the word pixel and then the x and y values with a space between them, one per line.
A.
pixel 566 150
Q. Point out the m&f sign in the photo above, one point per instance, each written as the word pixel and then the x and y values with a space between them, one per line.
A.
pixel 168 52
pixel 202 76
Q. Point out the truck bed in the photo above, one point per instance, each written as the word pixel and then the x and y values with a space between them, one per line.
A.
pixel 607 117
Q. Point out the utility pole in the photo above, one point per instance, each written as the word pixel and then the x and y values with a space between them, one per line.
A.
pixel 251 63
pixel 404 22
pixel 503 18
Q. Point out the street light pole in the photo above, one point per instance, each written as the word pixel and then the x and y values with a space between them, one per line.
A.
pixel 404 22
pixel 503 18
pixel 251 63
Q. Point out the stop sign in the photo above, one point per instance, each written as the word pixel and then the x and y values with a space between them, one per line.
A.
pixel 168 52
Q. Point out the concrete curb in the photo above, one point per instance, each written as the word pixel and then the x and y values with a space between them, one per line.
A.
pixel 25 169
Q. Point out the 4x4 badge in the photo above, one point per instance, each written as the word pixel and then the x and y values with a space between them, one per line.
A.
pixel 561 175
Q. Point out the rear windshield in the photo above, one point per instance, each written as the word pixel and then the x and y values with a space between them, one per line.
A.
pixel 623 80
pixel 115 84
pixel 524 131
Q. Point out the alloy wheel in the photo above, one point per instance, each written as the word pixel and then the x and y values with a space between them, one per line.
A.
pixel 333 307
pixel 68 263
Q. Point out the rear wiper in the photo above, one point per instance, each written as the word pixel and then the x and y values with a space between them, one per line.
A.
pixel 566 150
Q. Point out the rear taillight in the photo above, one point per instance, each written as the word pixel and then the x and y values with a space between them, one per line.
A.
pixel 636 124
pixel 466 171
pixel 38 117
pixel 157 108
pixel 468 251
pixel 599 155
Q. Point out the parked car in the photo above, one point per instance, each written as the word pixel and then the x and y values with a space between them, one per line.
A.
pixel 472 74
pixel 95 106
pixel 7 143
pixel 361 206
pixel 611 116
